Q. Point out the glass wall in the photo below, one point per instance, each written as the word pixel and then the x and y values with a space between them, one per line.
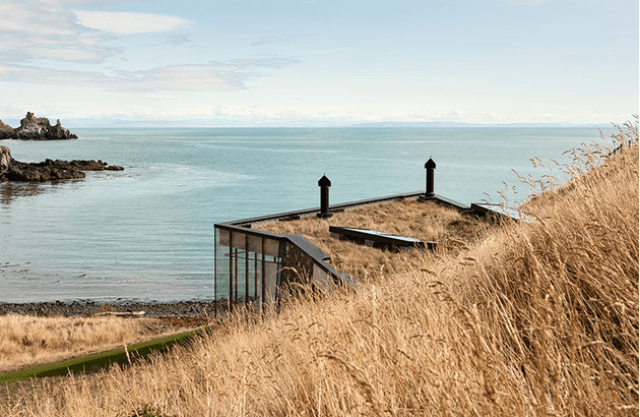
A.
pixel 252 267
pixel 246 266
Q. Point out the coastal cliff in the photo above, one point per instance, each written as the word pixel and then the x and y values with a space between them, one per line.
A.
pixel 12 170
pixel 35 128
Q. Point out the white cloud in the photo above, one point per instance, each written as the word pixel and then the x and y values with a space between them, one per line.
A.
pixel 47 30
pixel 527 2
pixel 35 36
pixel 176 40
pixel 127 23
pixel 216 76
pixel 21 17
pixel 266 40
pixel 87 49
pixel 64 3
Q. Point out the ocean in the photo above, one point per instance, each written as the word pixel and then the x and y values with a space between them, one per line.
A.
pixel 146 233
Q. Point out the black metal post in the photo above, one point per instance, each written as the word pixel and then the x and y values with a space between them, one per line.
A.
pixel 430 166
pixel 246 269
pixel 324 183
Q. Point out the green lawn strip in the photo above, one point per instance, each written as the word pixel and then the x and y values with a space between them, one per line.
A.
pixel 98 360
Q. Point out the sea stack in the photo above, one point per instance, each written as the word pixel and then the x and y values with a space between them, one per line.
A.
pixel 35 128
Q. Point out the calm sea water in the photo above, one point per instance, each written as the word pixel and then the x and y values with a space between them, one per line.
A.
pixel 146 233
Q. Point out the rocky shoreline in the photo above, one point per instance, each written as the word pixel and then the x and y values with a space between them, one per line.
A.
pixel 90 308
pixel 12 170
pixel 39 128
pixel 35 128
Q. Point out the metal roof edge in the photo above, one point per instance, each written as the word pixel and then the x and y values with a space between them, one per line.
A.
pixel 310 211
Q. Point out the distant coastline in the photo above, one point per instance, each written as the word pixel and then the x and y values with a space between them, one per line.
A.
pixel 471 125
pixel 305 124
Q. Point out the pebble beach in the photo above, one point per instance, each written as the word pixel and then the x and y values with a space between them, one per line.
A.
pixel 89 308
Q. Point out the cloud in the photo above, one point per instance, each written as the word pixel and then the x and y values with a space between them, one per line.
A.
pixel 18 17
pixel 527 2
pixel 48 29
pixel 176 40
pixel 83 48
pixel 265 61
pixel 215 76
pixel 36 38
pixel 266 40
pixel 127 23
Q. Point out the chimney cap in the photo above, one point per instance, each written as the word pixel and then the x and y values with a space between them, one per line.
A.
pixel 430 164
pixel 324 182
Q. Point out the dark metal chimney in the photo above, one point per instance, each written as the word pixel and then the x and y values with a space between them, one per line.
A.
pixel 430 166
pixel 324 183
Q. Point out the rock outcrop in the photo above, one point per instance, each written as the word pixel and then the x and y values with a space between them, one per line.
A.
pixel 35 128
pixel 5 159
pixel 6 131
pixel 12 170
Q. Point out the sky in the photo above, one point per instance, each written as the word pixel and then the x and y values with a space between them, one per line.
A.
pixel 318 62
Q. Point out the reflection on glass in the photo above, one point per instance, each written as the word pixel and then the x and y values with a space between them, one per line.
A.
pixel 242 275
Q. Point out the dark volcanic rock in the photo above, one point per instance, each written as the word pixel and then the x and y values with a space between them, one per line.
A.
pixel 35 128
pixel 76 164
pixel 48 170
pixel 21 171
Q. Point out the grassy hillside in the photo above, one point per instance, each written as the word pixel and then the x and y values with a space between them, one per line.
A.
pixel 533 319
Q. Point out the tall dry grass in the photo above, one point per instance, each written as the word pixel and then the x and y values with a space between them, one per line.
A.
pixel 562 294
pixel 29 340
pixel 537 319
